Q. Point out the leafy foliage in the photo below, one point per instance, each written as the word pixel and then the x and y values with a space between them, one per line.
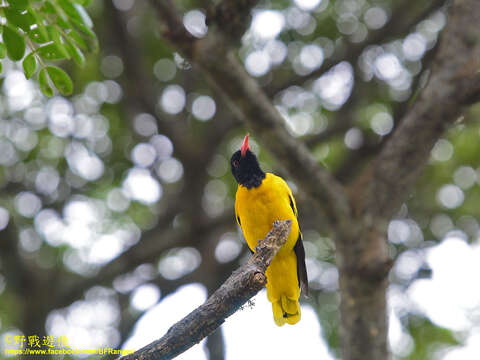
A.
pixel 41 32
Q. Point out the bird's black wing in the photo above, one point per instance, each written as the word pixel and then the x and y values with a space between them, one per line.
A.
pixel 300 253
pixel 301 267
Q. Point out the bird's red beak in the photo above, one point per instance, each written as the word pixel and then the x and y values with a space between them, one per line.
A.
pixel 245 146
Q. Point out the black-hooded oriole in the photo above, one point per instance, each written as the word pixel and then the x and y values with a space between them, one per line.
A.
pixel 261 199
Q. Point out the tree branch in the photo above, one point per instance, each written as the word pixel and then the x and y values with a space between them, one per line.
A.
pixel 243 284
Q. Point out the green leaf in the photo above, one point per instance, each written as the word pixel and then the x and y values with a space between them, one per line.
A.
pixel 3 51
pixel 53 5
pixel 84 15
pixel 50 52
pixel 47 8
pixel 14 42
pixel 84 29
pixel 39 36
pixel 57 39
pixel 29 65
pixel 44 83
pixel 40 30
pixel 19 18
pixel 0 67
pixel 75 52
pixel 84 3
pixel 87 42
pixel 78 39
pixel 72 10
pixel 64 24
pixel 61 80
pixel 18 4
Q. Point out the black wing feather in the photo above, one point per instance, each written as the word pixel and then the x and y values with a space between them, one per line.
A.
pixel 301 267
pixel 300 253
pixel 292 205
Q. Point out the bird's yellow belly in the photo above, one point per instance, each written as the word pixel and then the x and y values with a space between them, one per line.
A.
pixel 258 215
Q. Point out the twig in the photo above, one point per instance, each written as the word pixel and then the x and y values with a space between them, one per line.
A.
pixel 243 284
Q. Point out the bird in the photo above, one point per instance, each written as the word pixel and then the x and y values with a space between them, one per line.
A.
pixel 261 199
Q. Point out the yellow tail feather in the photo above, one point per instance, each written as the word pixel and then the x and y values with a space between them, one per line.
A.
pixel 286 310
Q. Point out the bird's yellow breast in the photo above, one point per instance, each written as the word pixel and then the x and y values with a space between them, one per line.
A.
pixel 257 209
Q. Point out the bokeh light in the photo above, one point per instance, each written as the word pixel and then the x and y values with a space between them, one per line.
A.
pixel 267 24
pixel 141 186
pixel 143 154
pixel 179 262
pixel 443 150
pixel 375 17
pixel 111 66
pixel 165 70
pixel 228 248
pixel 170 170
pixel 173 99
pixel 257 63
pixel 203 108
pixel 194 21
pixel 4 218
pixel 145 296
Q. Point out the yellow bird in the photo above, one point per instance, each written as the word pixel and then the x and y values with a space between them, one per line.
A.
pixel 261 199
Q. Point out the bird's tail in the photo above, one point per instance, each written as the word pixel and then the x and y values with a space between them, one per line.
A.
pixel 286 310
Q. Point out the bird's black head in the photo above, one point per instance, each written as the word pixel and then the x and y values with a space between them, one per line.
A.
pixel 245 167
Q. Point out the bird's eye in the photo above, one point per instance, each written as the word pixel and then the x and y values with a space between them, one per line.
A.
pixel 235 163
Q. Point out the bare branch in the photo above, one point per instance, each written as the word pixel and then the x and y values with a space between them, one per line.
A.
pixel 243 284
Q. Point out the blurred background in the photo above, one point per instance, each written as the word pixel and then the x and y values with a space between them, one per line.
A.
pixel 116 204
